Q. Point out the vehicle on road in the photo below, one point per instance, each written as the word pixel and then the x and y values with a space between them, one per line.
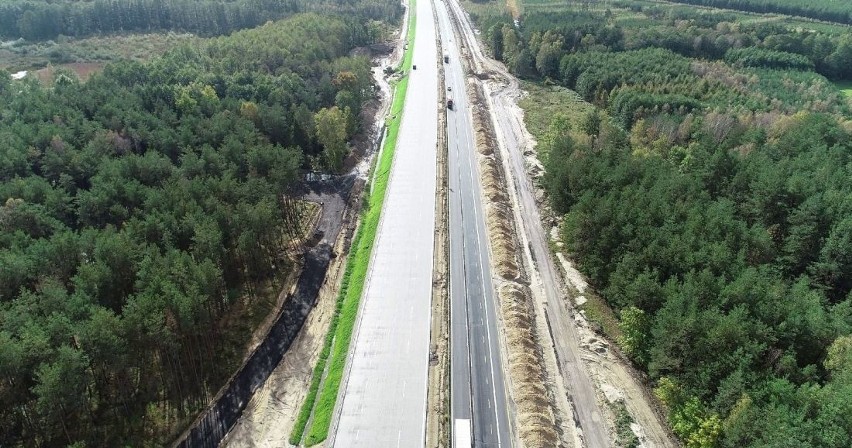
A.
pixel 446 58
pixel 462 434
pixel 449 103
pixel 449 88
pixel 414 67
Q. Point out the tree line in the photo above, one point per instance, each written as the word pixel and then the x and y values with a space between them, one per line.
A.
pixel 42 20
pixel 828 10
pixel 536 48
pixel 138 210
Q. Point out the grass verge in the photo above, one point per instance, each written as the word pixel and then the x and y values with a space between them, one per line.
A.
pixel 599 313
pixel 322 395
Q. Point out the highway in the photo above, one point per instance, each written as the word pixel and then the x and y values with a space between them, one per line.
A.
pixel 478 387
pixel 383 396
pixel 566 340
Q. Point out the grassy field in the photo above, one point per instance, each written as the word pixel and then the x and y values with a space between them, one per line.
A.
pixel 845 87
pixel 544 102
pixel 485 14
pixel 322 394
pixel 627 18
pixel 83 70
pixel 82 53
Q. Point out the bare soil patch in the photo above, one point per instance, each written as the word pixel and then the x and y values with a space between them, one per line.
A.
pixel 83 70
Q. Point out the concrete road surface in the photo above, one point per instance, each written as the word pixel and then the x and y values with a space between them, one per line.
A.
pixel 384 396
pixel 478 386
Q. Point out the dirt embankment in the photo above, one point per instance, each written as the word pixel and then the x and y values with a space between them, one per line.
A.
pixel 269 416
pixel 438 398
pixel 535 417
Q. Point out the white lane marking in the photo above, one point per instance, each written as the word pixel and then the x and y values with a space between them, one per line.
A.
pixel 483 277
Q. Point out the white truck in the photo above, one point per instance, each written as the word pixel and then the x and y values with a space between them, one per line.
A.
pixel 462 434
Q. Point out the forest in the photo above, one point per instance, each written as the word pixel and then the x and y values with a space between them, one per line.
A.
pixel 40 19
pixel 707 198
pixel 828 10
pixel 140 209
pixel 537 48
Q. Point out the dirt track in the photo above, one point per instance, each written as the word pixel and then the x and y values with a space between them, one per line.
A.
pixel 438 398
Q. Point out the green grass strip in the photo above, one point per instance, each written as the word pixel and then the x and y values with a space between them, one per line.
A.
pixel 845 87
pixel 336 344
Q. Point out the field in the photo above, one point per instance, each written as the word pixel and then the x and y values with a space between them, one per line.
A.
pixel 544 102
pixel 845 87
pixel 83 70
pixel 625 16
pixel 85 56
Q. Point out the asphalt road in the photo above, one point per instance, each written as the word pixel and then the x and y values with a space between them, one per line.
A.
pixel 478 387
pixel 383 398
pixel 565 338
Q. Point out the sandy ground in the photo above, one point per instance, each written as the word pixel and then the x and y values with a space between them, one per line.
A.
pixel 611 377
pixel 269 416
pixel 615 378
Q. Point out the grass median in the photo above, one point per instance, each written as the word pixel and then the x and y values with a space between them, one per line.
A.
pixel 322 395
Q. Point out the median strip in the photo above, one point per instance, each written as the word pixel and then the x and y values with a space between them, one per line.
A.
pixel 322 394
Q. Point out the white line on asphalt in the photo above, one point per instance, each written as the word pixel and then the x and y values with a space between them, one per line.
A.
pixel 487 323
